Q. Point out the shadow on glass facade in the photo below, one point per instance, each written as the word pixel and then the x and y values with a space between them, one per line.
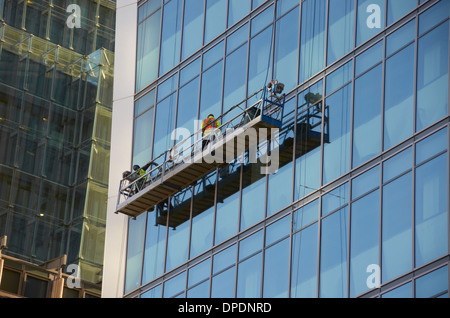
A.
pixel 359 205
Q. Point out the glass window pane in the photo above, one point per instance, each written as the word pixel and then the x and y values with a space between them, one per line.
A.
pixel 432 284
pixel 155 247
pixel 284 6
pixel 307 166
pixel 256 3
pixel 276 199
pixel 259 65
pixel 432 77
pixel 261 21
pixel 286 49
pixel 251 245
pixel 404 291
pixel 336 156
pixel 237 38
pixel 144 103
pixel 369 180
pixel 202 230
pixel 189 72
pixel 312 38
pixel 276 270
pixel 307 174
pixel 288 122
pixel 401 37
pixel 167 87
pixel 367 116
pixel 147 8
pixel 397 228
pixel 227 214
pixel 433 16
pixel 364 241
pixel 153 293
pixel 142 141
pixel 335 199
pixel 370 19
pixel 22 233
pixel 10 281
pixel 278 230
pixel 333 255
pixel 35 287
pixel 237 9
pixel 398 8
pixel 202 214
pixel 193 27
pixel 340 28
pixel 397 164
pixel 339 78
pixel 210 101
pixel 235 80
pixel 305 215
pixel 224 259
pixel 431 146
pixel 178 206
pixel 399 97
pixel 369 58
pixel 199 291
pixel 187 107
pixel 135 248
pixel 147 50
pixel 249 277
pixel 222 285
pixel 177 245
pixel 164 125
pixel 431 210
pixel 253 196
pixel 171 35
pixel 213 55
pixel 215 18
pixel 199 272
pixel 304 263
pixel 24 193
pixel 35 116
pixel 175 285
pixel 6 175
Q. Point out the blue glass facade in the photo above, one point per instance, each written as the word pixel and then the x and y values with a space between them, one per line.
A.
pixel 364 213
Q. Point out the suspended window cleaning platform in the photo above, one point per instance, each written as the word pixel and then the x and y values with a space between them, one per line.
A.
pixel 189 160
pixel 187 164
pixel 305 132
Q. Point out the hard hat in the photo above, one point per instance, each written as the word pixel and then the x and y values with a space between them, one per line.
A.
pixel 136 167
pixel 210 115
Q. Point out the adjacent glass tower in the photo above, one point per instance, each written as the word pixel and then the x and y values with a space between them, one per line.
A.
pixel 55 118
pixel 363 213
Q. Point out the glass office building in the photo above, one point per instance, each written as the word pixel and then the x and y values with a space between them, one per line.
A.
pixel 364 212
pixel 56 70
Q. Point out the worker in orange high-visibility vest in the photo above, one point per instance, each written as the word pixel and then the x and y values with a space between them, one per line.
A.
pixel 208 125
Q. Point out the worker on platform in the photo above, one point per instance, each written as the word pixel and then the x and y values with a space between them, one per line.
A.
pixel 139 173
pixel 208 125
